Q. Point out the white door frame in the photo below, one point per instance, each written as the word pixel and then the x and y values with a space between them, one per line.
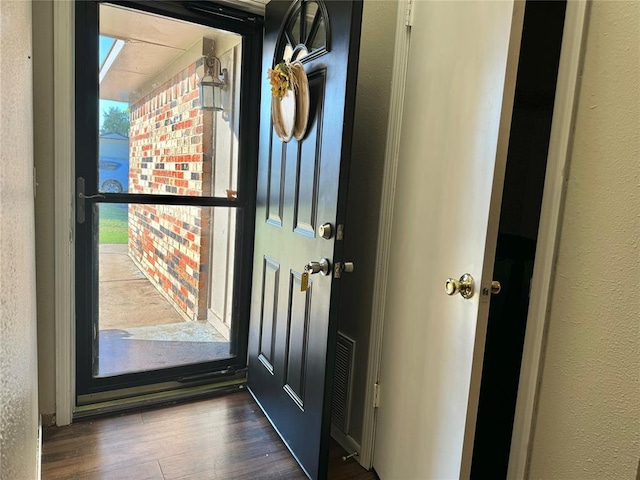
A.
pixel 552 201
pixel 550 217
pixel 64 229
pixel 385 222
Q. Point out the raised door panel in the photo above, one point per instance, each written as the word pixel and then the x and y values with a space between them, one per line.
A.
pixel 297 340
pixel 309 154
pixel 269 310
pixel 276 180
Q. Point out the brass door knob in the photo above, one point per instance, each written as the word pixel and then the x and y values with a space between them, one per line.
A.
pixel 464 286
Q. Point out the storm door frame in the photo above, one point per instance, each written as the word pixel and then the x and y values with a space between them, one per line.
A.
pixel 90 389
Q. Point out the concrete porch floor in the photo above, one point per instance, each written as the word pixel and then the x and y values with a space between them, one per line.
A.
pixel 139 329
pixel 124 291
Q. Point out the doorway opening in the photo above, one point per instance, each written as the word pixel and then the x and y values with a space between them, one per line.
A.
pixel 517 232
pixel 165 162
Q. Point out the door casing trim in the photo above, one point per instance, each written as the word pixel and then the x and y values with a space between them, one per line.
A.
pixel 544 266
pixel 64 160
pixel 385 222
pixel 560 142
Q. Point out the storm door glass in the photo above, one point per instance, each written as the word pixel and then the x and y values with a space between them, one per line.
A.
pixel 160 188
pixel 165 286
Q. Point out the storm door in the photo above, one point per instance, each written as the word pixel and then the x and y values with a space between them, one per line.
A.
pixel 166 117
pixel 300 210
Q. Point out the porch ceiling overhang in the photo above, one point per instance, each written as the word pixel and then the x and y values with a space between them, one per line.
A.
pixel 154 48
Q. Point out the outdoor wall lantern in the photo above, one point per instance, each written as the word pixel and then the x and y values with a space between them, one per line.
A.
pixel 212 85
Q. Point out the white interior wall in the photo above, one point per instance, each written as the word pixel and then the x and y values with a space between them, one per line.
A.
pixel 588 418
pixel 18 358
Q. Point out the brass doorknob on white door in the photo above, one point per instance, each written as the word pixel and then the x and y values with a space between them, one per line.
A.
pixel 464 286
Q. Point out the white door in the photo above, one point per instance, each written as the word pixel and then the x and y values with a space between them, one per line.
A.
pixel 457 113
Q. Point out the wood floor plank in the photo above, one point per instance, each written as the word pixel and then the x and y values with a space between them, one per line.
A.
pixel 121 452
pixel 99 426
pixel 143 471
pixel 248 463
pixel 207 458
pixel 220 438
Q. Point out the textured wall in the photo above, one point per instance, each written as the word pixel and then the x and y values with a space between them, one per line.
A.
pixel 365 185
pixel 18 359
pixel 588 419
pixel 44 206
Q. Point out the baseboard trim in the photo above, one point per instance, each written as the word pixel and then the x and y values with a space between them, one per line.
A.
pixel 48 419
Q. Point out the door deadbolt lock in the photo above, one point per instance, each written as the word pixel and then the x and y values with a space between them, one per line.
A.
pixel 325 231
pixel 464 286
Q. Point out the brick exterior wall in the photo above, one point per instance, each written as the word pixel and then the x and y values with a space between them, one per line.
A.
pixel 170 153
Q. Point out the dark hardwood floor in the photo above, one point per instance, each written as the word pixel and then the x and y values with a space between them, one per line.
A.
pixel 220 438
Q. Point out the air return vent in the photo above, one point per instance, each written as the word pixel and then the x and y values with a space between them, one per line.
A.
pixel 342 380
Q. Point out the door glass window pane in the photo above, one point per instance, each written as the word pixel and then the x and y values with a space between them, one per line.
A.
pixel 155 137
pixel 165 286
pixel 310 11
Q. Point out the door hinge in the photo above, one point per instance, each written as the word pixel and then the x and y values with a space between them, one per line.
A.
pixel 409 14
pixel 376 395
pixel 35 182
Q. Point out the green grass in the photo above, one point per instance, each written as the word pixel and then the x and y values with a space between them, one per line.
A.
pixel 113 223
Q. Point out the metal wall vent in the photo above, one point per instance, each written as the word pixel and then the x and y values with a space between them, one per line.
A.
pixel 342 380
